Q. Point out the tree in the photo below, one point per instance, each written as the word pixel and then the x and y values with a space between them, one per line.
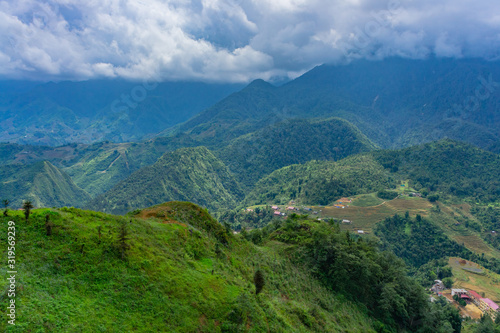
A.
pixel 48 225
pixel 433 197
pixel 6 204
pixel 448 282
pixel 27 206
pixel 259 281
pixel 122 240
pixel 99 233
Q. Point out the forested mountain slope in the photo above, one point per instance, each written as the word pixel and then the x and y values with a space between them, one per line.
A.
pixel 395 102
pixel 173 268
pixel 186 174
pixel 42 183
pixel 257 154
pixel 449 167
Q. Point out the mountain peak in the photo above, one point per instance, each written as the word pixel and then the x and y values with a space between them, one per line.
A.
pixel 260 84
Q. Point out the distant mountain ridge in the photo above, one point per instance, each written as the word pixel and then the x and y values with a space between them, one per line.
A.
pixel 97 110
pixel 394 102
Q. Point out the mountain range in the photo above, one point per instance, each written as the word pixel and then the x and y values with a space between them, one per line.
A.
pixel 327 114
pixel 322 170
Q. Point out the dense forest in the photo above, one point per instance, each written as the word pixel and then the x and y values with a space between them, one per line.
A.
pixel 355 268
pixel 418 241
pixel 187 174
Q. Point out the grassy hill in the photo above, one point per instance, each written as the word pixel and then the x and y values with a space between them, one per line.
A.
pixel 186 174
pixel 447 167
pixel 182 273
pixel 321 182
pixel 179 270
pixel 42 183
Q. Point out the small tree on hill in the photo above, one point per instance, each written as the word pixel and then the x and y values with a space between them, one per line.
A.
pixel 99 233
pixel 448 282
pixel 259 281
pixel 27 206
pixel 122 240
pixel 6 204
pixel 48 225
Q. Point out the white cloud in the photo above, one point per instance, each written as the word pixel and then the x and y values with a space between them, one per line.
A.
pixel 232 40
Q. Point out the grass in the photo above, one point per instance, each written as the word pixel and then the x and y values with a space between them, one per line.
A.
pixel 177 277
pixel 446 219
pixel 365 218
pixel 367 200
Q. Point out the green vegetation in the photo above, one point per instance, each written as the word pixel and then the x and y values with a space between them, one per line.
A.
pixel 320 182
pixel 449 167
pixel 240 219
pixel 418 241
pixel 253 156
pixel 465 276
pixel 355 268
pixel 366 200
pixel 41 183
pixel 179 276
pixel 387 195
pixel 187 174
pixel 27 207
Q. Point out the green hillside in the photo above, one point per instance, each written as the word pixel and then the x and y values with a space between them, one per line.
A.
pixel 42 183
pixel 450 168
pixel 187 174
pixel 321 182
pixel 178 270
pixel 96 167
pixel 252 156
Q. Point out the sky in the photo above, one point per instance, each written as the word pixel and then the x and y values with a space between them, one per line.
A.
pixel 232 40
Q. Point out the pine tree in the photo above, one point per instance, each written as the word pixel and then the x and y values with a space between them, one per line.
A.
pixel 99 232
pixel 259 281
pixel 27 206
pixel 6 204
pixel 48 225
pixel 122 240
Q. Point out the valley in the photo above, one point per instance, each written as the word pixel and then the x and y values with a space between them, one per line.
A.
pixel 379 184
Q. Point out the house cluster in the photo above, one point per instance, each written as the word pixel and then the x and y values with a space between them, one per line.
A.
pixel 342 203
pixel 277 211
pixel 291 208
pixel 486 305
pixel 415 194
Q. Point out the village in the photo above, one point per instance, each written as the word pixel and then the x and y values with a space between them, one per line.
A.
pixel 283 211
pixel 469 302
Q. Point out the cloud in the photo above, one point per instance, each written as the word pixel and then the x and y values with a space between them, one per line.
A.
pixel 232 40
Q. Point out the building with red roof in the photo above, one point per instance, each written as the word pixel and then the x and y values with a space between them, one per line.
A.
pixel 488 306
pixel 475 297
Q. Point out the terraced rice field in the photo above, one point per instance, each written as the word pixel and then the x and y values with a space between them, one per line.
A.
pixel 365 218
pixel 487 283
pixel 445 219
